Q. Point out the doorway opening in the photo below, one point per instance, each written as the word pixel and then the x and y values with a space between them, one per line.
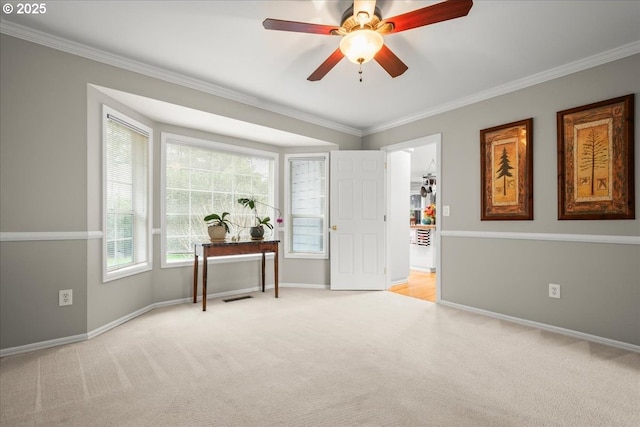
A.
pixel 419 284
pixel 412 234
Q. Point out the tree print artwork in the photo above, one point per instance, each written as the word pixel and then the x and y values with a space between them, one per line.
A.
pixel 504 170
pixel 505 188
pixel 506 167
pixel 592 161
pixel 596 160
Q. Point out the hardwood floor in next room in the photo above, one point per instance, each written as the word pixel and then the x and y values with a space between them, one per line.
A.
pixel 419 285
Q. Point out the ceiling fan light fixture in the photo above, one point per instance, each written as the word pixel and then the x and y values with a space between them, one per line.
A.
pixel 361 46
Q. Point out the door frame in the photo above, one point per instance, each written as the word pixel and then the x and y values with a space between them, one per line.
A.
pixel 362 217
pixel 414 143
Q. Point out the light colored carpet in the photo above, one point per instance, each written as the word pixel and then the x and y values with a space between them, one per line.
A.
pixel 322 358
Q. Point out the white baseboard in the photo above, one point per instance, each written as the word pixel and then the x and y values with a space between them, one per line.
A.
pixel 398 282
pixel 91 334
pixel 42 345
pixel 546 327
pixel 105 328
pixel 302 285
pixel 232 293
pixel 140 312
pixel 423 269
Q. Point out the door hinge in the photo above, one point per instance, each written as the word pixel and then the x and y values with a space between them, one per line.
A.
pixel 385 218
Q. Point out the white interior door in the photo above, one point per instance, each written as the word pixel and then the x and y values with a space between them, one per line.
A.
pixel 357 218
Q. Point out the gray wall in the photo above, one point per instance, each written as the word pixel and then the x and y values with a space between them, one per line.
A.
pixel 48 182
pixel 600 282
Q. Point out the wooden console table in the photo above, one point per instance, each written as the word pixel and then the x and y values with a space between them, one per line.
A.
pixel 232 248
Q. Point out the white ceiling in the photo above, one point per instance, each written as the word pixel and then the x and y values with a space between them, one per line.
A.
pixel 164 112
pixel 500 46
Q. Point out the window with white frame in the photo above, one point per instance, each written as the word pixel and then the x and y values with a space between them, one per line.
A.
pixel 127 196
pixel 202 177
pixel 306 205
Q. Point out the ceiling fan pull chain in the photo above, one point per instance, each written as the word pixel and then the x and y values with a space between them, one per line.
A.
pixel 360 71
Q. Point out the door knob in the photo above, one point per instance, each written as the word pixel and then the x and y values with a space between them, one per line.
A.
pixel 334 228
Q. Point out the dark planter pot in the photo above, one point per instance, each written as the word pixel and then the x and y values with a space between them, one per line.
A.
pixel 257 233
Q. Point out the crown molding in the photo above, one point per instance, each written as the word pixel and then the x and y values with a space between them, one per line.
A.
pixel 554 73
pixel 78 49
pixel 84 51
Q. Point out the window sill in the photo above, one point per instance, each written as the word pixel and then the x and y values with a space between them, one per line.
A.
pixel 218 260
pixel 126 272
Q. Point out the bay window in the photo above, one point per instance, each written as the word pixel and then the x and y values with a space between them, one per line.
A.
pixel 201 177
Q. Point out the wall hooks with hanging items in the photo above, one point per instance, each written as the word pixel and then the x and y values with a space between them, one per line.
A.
pixel 428 185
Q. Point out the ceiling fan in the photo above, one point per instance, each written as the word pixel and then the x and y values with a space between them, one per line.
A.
pixel 362 28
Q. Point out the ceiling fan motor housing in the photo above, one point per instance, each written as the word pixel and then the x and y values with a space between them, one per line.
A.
pixel 349 21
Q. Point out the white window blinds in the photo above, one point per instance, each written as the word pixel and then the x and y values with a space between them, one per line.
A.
pixel 127 209
pixel 307 206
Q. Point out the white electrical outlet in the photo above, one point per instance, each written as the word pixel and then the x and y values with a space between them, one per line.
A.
pixel 65 297
pixel 445 210
pixel 554 291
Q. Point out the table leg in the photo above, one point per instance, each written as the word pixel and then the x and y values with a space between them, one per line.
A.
pixel 275 269
pixel 204 283
pixel 195 278
pixel 263 261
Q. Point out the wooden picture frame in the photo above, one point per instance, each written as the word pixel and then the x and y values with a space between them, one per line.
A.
pixel 595 160
pixel 506 171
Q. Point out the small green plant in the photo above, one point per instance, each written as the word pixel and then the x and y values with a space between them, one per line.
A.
pixel 265 221
pixel 216 219
pixel 251 203
pixel 248 203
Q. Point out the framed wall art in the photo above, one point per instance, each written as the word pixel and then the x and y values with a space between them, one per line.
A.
pixel 506 171
pixel 595 161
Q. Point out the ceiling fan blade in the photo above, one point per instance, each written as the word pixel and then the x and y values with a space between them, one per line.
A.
pixel 444 11
pixel 326 66
pixel 298 27
pixel 390 62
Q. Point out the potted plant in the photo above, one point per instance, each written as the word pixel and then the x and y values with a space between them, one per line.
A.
pixel 257 230
pixel 218 225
